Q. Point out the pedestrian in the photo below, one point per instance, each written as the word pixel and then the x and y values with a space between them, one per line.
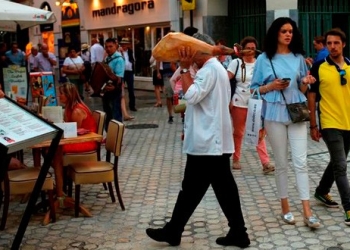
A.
pixel 31 58
pixel 283 59
pixel 44 61
pixel 97 52
pixel 15 56
pixel 73 67
pixel 242 70
pixel 208 149
pixel 111 99
pixel 128 55
pixel 332 91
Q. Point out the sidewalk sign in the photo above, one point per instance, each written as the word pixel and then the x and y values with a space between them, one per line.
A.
pixel 42 84
pixel 16 83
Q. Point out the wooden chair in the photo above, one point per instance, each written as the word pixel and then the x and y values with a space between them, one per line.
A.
pixel 22 181
pixel 94 172
pixel 100 118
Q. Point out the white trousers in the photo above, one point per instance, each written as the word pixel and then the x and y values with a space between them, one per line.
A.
pixel 279 134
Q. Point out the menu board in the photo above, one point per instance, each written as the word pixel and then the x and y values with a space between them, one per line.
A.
pixel 15 83
pixel 20 128
pixel 43 84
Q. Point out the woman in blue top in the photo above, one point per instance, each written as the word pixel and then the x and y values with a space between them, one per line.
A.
pixel 283 54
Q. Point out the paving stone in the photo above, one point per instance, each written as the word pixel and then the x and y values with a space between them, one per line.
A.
pixel 150 172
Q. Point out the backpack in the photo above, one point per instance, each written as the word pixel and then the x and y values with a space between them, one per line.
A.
pixel 233 81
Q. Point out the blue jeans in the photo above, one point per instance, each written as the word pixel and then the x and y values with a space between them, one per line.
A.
pixel 338 144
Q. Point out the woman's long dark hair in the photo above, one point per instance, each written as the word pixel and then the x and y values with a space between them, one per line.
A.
pixel 271 38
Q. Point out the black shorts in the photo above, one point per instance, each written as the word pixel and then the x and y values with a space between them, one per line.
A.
pixel 156 80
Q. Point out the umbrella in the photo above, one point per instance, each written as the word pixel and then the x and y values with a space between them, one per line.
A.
pixel 25 16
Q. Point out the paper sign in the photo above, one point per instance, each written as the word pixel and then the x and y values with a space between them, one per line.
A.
pixel 42 84
pixel 53 114
pixel 15 82
pixel 69 128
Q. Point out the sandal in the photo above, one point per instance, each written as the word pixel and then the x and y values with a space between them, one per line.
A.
pixel 268 168
pixel 236 165
pixel 129 118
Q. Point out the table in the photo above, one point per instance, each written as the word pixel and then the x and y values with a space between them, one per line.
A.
pixel 62 200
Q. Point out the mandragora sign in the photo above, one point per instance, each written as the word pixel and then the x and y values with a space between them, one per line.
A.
pixel 126 8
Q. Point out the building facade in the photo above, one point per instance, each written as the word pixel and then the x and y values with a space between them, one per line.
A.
pixel 145 21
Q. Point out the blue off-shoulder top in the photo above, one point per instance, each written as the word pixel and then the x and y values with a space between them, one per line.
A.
pixel 291 66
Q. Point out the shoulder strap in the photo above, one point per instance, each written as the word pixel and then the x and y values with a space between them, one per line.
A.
pixel 111 59
pixel 274 72
pixel 237 67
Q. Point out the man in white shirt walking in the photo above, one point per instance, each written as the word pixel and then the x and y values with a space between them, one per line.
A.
pixel 96 51
pixel 208 144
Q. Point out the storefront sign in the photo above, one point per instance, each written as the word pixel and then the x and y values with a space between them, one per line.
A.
pixel 49 26
pixel 126 8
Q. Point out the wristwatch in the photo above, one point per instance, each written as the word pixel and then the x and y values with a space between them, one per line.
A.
pixel 183 71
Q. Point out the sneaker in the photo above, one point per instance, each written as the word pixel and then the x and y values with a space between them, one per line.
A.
pixel 326 199
pixel 347 218
pixel 170 121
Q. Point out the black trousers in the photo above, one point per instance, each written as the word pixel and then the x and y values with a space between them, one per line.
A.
pixel 200 172
pixel 338 144
pixel 129 79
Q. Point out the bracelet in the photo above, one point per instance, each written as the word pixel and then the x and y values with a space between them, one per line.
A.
pixel 312 127
pixel 267 89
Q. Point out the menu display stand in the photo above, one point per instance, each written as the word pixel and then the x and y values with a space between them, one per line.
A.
pixel 19 129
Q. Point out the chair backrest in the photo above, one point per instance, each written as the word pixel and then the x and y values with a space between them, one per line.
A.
pixel 100 119
pixel 115 137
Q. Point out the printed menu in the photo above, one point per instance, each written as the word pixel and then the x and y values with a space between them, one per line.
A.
pixel 20 128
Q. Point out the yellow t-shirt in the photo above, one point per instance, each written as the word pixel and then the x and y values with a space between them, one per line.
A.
pixel 334 103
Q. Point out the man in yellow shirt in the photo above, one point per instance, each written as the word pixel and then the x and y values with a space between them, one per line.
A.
pixel 332 91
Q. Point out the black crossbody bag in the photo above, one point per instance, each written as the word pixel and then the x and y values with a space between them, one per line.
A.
pixel 298 112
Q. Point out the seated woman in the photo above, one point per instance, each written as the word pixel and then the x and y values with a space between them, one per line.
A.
pixel 77 111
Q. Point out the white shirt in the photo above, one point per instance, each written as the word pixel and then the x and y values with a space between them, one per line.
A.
pixel 43 63
pixel 97 53
pixel 208 128
pixel 31 63
pixel 128 64
pixel 242 94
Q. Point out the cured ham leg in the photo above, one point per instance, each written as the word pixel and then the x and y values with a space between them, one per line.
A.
pixel 166 49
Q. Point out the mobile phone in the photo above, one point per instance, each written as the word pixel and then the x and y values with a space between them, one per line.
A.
pixel 286 79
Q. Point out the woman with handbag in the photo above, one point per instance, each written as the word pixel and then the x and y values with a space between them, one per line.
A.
pixel 73 67
pixel 281 75
pixel 241 69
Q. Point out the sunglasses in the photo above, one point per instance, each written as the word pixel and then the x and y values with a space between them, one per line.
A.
pixel 342 73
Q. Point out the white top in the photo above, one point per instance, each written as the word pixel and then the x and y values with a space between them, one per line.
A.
pixel 242 94
pixel 128 64
pixel 73 63
pixel 43 63
pixel 85 56
pixel 97 53
pixel 208 128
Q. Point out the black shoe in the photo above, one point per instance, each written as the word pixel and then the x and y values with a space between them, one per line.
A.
pixel 161 235
pixel 170 121
pixel 326 200
pixel 239 241
pixel 133 109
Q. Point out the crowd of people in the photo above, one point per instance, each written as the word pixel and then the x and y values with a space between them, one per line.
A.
pixel 215 119
pixel 282 75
